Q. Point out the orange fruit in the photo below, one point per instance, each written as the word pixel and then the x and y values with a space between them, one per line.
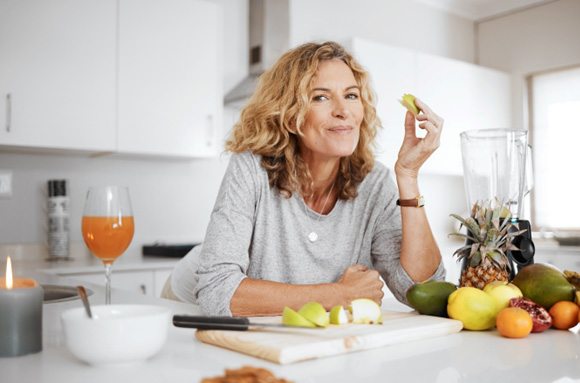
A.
pixel 564 315
pixel 513 322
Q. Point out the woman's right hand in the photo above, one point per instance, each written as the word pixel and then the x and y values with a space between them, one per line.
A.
pixel 359 281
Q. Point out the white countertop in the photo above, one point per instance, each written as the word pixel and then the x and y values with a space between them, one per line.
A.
pixel 552 356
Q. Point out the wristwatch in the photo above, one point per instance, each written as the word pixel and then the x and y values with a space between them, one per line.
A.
pixel 418 201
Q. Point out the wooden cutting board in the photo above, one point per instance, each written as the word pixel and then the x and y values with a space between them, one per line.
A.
pixel 289 345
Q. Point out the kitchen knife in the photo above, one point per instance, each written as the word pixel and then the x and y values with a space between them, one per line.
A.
pixel 201 322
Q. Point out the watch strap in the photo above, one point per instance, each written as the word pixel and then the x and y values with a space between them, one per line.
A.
pixel 418 201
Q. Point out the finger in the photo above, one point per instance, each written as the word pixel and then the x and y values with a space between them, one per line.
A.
pixel 427 111
pixel 433 135
pixel 409 125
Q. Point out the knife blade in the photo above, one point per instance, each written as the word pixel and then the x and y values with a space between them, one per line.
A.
pixel 203 322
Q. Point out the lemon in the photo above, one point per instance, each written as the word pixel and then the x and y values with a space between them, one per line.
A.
pixel 475 308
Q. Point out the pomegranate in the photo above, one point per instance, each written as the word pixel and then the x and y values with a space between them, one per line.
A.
pixel 540 317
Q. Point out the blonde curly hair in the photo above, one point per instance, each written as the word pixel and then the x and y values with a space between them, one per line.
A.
pixel 272 120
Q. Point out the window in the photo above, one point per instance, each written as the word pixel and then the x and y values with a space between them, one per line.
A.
pixel 555 117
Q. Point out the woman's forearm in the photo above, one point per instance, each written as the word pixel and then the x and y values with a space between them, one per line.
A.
pixel 420 255
pixel 258 298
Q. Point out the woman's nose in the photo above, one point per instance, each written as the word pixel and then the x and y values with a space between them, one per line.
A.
pixel 340 109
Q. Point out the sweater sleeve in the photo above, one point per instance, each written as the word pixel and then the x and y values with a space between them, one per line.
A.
pixel 224 258
pixel 386 247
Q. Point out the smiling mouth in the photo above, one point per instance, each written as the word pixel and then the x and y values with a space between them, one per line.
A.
pixel 341 129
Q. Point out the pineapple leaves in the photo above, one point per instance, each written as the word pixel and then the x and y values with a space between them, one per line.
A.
pixel 475 259
pixel 490 232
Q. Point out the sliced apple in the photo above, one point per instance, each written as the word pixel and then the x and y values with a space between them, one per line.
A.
pixel 292 318
pixel 315 313
pixel 408 101
pixel 338 315
pixel 365 311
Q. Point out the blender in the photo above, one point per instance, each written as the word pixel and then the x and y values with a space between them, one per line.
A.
pixel 497 164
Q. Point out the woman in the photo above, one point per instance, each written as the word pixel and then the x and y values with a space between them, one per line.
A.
pixel 304 213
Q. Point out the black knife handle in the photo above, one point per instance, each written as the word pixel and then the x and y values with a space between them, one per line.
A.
pixel 211 322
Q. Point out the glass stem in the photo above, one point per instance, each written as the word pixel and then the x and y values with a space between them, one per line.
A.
pixel 107 283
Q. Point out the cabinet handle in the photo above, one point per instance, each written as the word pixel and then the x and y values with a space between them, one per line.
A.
pixel 143 289
pixel 8 111
pixel 209 131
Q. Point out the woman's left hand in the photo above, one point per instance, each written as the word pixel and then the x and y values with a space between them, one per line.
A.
pixel 414 150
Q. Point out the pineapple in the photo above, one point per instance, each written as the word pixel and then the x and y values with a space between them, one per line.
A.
pixel 490 232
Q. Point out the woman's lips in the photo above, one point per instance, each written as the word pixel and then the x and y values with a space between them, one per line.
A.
pixel 341 129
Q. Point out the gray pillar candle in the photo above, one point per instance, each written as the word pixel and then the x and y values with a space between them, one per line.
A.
pixel 20 316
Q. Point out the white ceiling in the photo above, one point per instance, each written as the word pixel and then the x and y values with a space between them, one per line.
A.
pixel 479 10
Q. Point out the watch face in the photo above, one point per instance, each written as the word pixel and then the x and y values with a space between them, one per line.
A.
pixel 420 201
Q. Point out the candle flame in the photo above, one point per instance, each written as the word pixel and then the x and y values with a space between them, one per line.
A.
pixel 9 282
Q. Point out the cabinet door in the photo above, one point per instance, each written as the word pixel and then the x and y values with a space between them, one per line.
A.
pixel 468 97
pixel 137 281
pixel 57 73
pixel 170 94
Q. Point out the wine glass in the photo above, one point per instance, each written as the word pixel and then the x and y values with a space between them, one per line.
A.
pixel 108 226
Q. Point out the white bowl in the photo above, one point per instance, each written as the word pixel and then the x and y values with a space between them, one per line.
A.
pixel 117 333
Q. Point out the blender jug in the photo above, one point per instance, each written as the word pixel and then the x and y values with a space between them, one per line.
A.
pixel 497 164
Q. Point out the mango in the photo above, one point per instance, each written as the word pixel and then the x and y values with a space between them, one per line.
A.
pixel 430 298
pixel 544 284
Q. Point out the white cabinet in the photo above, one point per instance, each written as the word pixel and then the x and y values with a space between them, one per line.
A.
pixel 57 74
pixel 146 282
pixel 467 96
pixel 169 82
pixel 127 76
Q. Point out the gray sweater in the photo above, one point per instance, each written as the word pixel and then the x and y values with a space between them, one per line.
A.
pixel 256 232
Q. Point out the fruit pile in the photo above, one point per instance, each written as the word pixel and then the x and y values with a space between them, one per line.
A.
pixel 313 314
pixel 539 297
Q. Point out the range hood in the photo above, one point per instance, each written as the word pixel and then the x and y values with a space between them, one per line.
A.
pixel 269 38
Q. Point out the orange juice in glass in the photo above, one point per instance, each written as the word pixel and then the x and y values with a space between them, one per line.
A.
pixel 108 226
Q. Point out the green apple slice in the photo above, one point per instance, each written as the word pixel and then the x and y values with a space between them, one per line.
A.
pixel 365 311
pixel 338 315
pixel 315 313
pixel 292 318
pixel 408 101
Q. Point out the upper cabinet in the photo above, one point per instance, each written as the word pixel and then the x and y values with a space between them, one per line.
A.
pixel 127 76
pixel 57 74
pixel 465 95
pixel 170 96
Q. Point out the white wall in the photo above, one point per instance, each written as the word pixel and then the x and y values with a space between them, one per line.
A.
pixel 538 39
pixel 187 189
pixel 402 23
pixel 171 199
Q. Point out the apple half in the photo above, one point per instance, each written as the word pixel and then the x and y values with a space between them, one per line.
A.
pixel 365 311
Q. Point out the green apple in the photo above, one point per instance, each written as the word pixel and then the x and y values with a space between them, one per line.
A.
pixel 292 318
pixel 502 292
pixel 338 315
pixel 408 101
pixel 365 311
pixel 315 313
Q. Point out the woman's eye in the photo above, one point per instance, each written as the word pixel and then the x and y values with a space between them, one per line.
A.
pixel 352 96
pixel 319 98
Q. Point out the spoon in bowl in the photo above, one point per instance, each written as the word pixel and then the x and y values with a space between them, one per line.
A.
pixel 85 299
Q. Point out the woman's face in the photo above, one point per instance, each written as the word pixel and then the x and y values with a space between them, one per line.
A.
pixel 332 125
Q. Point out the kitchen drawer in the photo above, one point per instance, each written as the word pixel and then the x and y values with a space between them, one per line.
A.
pixel 136 281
